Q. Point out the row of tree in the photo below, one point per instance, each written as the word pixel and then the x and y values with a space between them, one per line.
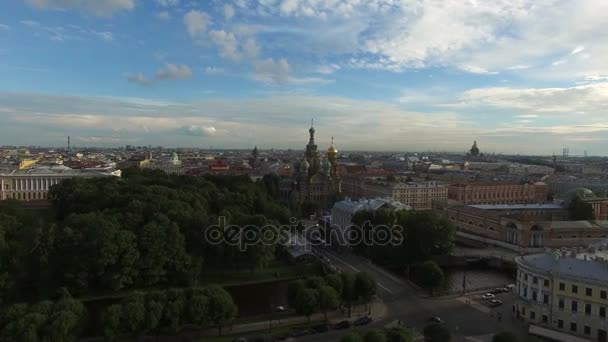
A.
pixel 146 229
pixel 170 310
pixel 325 294
pixel 62 320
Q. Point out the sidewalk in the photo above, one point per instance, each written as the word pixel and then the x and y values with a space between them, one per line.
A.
pixel 378 312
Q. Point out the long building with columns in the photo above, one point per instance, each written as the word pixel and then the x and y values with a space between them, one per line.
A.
pixel 34 184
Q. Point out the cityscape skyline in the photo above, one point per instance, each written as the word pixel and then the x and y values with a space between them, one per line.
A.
pixel 523 77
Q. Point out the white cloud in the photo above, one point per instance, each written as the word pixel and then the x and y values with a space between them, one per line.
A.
pixel 4 27
pixel 228 11
pixel 477 70
pixel 30 23
pixel 107 36
pixel 327 69
pixel 227 42
pixel 589 99
pixel 172 72
pixel 167 3
pixel 196 23
pixel 168 72
pixel 196 130
pixel 140 79
pixel 164 16
pixel 272 71
pixel 210 70
pixel 577 49
pixel 96 7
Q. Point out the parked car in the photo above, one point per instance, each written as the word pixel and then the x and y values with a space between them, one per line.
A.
pixel 510 286
pixel 495 303
pixel 280 308
pixel 488 296
pixel 435 319
pixel 342 325
pixel 363 321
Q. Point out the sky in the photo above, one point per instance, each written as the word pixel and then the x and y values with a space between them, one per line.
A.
pixel 518 76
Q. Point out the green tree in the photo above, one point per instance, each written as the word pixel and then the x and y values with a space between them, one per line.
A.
pixel 349 290
pixel 365 286
pixel 197 310
pixel 375 335
pixel 436 333
pixel 221 308
pixel 307 302
pixel 580 210
pixel 504 336
pixel 352 337
pixel 112 321
pixel 174 309
pixel 399 334
pixel 315 282
pixel 153 315
pixel 134 314
pixel 293 288
pixel 328 299
pixel 429 275
pixel 334 280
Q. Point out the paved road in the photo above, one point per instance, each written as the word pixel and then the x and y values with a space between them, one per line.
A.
pixel 464 316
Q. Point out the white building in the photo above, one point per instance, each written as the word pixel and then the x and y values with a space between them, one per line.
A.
pixel 34 184
pixel 564 295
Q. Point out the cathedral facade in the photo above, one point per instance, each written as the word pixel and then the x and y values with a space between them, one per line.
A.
pixel 316 179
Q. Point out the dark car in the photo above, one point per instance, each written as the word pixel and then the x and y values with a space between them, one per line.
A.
pixel 320 328
pixel 342 325
pixel 435 319
pixel 363 321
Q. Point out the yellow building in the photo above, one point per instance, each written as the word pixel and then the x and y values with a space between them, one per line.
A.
pixel 26 163
pixel 564 295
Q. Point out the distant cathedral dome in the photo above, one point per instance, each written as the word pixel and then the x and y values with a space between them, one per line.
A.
pixel 475 149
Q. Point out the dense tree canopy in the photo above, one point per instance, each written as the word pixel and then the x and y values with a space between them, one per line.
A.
pixel 416 236
pixel 143 230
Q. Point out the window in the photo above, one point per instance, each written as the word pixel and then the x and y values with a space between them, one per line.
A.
pixel 546 282
pixel 602 311
pixel 532 315
pixel 535 280
pixel 545 318
pixel 525 276
pixel 545 298
pixel 574 289
pixel 588 309
pixel 603 294
pixel 574 306
pixel 587 330
pixel 561 304
pixel 560 324
pixel 573 327
pixel 534 295
pixel 525 292
pixel 588 292
pixel 562 287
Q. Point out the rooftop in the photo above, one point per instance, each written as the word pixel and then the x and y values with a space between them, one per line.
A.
pixel 590 265
pixel 533 206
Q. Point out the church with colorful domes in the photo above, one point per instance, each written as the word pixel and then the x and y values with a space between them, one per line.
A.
pixel 316 178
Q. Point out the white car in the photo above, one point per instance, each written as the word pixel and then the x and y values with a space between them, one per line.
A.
pixel 488 296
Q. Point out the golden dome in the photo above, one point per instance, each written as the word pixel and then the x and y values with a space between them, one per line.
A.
pixel 332 150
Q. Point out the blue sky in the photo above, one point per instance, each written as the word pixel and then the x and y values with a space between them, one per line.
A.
pixel 520 76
